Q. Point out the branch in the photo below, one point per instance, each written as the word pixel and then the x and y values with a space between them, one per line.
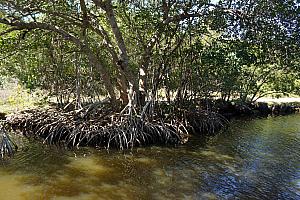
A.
pixel 108 8
pixel 28 11
pixel 186 15
pixel 73 20
pixel 20 25
pixel 9 31
pixel 104 34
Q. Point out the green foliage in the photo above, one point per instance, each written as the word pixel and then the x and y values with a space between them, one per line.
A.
pixel 232 49
pixel 14 98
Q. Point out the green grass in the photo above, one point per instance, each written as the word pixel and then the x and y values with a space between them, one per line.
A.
pixel 17 98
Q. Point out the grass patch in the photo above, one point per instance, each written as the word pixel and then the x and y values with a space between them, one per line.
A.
pixel 18 98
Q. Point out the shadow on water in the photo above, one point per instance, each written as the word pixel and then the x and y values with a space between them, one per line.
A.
pixel 256 159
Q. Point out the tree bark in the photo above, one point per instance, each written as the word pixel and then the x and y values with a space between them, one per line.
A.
pixel 78 81
pixel 122 62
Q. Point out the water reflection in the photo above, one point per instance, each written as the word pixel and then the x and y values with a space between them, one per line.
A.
pixel 258 159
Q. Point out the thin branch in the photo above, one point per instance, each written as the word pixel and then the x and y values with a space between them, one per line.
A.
pixel 20 25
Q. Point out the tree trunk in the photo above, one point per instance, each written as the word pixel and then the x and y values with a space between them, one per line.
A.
pixel 94 61
pixel 78 82
pixel 125 78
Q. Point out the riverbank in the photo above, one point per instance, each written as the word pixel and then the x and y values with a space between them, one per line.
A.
pixel 286 100
pixel 158 123
pixel 263 107
pixel 100 125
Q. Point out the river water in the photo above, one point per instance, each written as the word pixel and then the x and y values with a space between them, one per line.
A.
pixel 253 159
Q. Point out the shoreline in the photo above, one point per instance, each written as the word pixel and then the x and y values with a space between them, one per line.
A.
pixel 279 100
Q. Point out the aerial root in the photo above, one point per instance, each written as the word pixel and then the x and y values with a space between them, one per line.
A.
pixel 122 132
pixel 7 146
pixel 100 126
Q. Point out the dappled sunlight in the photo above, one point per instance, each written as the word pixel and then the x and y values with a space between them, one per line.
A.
pixel 122 190
pixel 88 165
pixel 162 177
pixel 252 161
pixel 146 160
pixel 216 155
pixel 163 100
pixel 16 186
pixel 208 196
pixel 93 189
pixel 81 196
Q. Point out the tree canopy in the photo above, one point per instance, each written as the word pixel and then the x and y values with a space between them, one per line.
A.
pixel 137 50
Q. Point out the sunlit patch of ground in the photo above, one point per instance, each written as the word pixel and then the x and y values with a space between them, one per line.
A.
pixel 16 98
pixel 279 100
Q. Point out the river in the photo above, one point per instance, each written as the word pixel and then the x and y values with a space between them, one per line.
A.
pixel 253 159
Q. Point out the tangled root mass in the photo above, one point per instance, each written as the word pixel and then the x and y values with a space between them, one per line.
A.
pixel 98 125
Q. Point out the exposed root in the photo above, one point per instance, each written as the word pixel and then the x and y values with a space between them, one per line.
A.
pixel 7 146
pixel 99 125
pixel 196 120
pixel 100 128
pixel 206 121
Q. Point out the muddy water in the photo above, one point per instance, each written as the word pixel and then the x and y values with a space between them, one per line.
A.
pixel 254 159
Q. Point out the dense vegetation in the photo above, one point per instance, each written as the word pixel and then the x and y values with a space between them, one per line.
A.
pixel 138 53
